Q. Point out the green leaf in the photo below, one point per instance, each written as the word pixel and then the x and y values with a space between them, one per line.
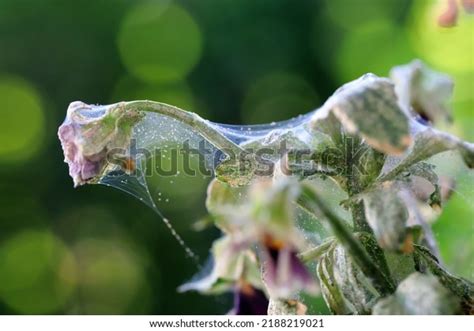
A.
pixel 273 207
pixel 423 90
pixel 222 200
pixel 400 265
pixel 368 106
pixel 368 164
pixel 220 196
pixel 418 294
pixel 316 252
pixel 429 142
pixel 238 171
pixel 329 126
pixel 330 289
pixel 345 288
pixel 364 254
pixel 260 158
pixel 387 215
pixel 462 288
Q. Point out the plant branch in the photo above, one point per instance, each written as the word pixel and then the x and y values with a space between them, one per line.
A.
pixel 311 202
pixel 204 127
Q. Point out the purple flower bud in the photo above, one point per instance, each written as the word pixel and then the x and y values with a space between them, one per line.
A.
pixel 89 133
pixel 249 300
pixel 283 272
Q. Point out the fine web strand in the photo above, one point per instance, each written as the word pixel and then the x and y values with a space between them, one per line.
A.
pixel 242 134
pixel 157 131
pixel 137 187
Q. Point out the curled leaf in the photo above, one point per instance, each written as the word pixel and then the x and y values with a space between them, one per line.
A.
pixel 430 194
pixel 423 90
pixel 429 142
pixel 368 106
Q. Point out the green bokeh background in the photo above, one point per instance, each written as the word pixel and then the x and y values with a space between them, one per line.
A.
pixel 95 250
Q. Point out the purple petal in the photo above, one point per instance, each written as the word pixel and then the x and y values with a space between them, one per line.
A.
pixel 285 274
pixel 81 167
pixel 249 301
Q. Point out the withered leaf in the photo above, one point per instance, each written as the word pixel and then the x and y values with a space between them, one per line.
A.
pixel 423 90
pixel 368 106
pixel 387 215
pixel 345 288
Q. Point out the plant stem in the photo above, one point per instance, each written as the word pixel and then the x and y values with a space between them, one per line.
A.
pixel 353 184
pixel 205 128
pixel 358 217
pixel 311 202
pixel 354 188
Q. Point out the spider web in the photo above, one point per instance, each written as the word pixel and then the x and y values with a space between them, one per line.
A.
pixel 170 135
pixel 159 138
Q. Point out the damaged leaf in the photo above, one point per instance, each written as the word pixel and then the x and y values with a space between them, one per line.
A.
pixel 368 106
pixel 429 142
pixel 344 286
pixel 425 91
pixel 387 215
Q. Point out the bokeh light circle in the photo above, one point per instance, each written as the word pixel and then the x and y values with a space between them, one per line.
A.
pixel 159 42
pixel 278 96
pixel 351 13
pixel 37 273
pixel 111 277
pixel 22 120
